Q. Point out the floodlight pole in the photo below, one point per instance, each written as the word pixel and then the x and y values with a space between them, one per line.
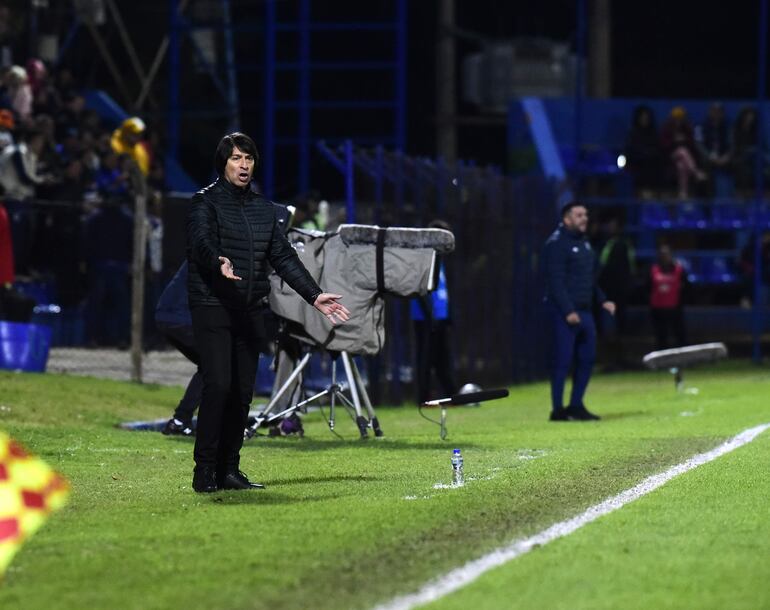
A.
pixel 759 184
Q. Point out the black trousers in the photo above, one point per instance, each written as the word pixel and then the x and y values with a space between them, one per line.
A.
pixel 182 338
pixel 665 321
pixel 227 342
pixel 433 352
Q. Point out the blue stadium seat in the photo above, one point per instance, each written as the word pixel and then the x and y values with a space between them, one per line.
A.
pixel 691 216
pixel 656 216
pixel 719 271
pixel 691 268
pixel 709 270
pixel 730 215
pixel 763 219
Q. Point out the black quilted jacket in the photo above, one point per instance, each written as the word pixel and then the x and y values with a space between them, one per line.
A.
pixel 225 220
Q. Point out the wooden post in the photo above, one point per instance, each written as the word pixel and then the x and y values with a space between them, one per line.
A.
pixel 139 187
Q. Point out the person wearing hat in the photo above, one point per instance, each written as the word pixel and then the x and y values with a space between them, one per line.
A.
pixel 127 139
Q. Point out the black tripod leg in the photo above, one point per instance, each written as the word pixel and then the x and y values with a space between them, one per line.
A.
pixel 363 425
pixel 358 380
pixel 678 379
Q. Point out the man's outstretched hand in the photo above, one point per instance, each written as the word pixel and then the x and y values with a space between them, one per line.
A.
pixel 227 269
pixel 327 304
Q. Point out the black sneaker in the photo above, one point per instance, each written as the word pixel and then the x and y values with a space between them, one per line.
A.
pixel 204 479
pixel 235 479
pixel 560 415
pixel 175 427
pixel 580 413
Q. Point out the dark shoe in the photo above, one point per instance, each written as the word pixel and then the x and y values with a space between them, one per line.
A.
pixel 560 415
pixel 176 427
pixel 580 413
pixel 237 480
pixel 204 479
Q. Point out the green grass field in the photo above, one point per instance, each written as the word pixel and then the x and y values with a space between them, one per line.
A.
pixel 350 524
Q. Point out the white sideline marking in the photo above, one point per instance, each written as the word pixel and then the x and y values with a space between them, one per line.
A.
pixel 459 577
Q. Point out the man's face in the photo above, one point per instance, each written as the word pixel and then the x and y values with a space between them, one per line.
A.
pixel 577 219
pixel 239 167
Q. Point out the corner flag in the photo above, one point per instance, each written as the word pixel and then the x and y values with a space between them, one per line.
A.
pixel 29 492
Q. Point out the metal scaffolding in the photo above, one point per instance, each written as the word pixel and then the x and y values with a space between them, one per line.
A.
pixel 290 107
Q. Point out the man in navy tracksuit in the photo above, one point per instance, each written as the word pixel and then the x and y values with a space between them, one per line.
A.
pixel 569 265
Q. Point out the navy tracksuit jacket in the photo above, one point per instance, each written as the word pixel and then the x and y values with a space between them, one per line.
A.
pixel 569 265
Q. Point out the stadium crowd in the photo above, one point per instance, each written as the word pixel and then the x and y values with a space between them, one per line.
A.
pixel 67 182
pixel 713 157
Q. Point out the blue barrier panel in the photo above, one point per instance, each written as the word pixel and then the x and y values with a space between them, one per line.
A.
pixel 24 346
pixel 263 385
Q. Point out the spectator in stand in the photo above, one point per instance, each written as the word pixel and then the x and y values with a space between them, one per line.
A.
pixel 668 281
pixel 111 179
pixel 746 267
pixel 679 145
pixel 69 118
pixel 6 252
pixel 19 92
pixel 91 121
pixel 617 268
pixel 37 75
pixel 744 150
pixel 64 83
pixel 643 152
pixel 46 97
pixel 312 212
pixel 70 145
pixel 127 139
pixel 14 306
pixel 75 182
pixel 712 138
pixel 90 155
pixel 108 247
pixel 7 125
pixel 19 167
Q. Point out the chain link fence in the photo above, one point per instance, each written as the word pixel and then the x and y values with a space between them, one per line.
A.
pixel 90 273
pixel 495 289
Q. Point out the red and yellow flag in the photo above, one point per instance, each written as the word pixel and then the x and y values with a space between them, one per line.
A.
pixel 29 491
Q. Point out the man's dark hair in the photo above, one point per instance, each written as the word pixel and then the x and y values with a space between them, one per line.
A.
pixel 567 208
pixel 225 148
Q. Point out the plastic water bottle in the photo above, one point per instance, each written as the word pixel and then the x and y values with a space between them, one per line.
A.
pixel 457 468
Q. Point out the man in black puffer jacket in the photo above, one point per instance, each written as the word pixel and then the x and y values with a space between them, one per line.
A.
pixel 232 235
pixel 569 264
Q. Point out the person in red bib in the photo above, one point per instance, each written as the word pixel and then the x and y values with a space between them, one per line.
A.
pixel 667 283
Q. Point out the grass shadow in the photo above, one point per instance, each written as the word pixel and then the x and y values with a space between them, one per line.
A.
pixel 267 497
pixel 325 479
pixel 624 415
pixel 307 444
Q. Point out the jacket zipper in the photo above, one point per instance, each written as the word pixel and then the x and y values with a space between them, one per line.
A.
pixel 251 251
